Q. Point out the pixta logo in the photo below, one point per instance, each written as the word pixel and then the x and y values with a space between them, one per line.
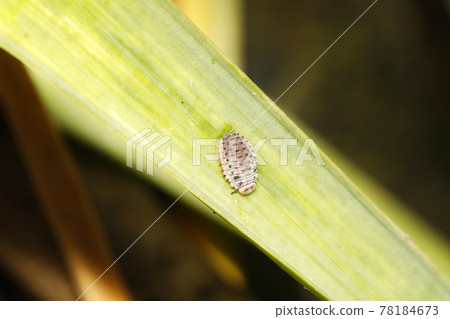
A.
pixel 303 152
pixel 147 142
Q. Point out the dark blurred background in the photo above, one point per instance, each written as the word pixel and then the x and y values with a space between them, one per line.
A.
pixel 379 96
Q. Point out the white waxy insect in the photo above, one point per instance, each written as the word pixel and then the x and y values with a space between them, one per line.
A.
pixel 238 161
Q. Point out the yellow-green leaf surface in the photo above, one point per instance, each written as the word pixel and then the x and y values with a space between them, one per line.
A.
pixel 142 64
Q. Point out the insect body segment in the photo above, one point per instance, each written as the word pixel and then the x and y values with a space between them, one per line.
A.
pixel 238 160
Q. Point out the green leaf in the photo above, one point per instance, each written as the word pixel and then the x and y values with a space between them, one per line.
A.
pixel 142 64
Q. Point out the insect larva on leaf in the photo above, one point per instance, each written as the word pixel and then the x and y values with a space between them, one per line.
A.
pixel 238 160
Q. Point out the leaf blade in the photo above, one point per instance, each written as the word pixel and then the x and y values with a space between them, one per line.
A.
pixel 146 66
